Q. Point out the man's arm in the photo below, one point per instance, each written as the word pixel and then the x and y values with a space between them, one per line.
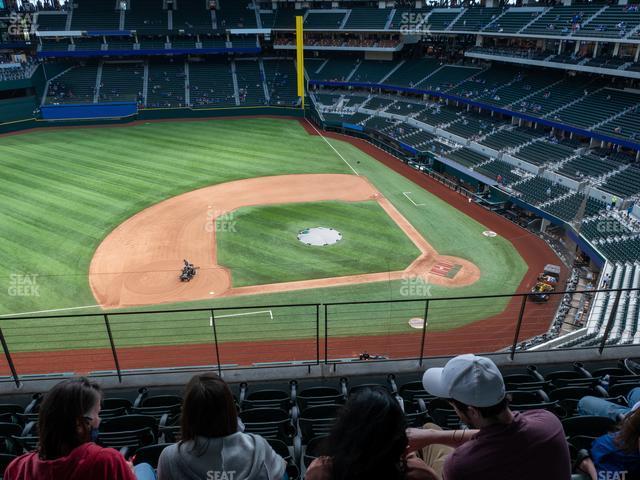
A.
pixel 420 437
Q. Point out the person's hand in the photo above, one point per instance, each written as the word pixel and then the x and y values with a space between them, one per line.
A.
pixel 419 438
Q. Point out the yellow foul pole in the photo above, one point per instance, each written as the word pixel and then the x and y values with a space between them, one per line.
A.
pixel 300 57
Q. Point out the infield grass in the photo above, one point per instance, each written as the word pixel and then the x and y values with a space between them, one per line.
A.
pixel 262 247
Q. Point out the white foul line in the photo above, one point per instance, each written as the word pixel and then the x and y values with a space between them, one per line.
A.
pixel 332 148
pixel 416 204
pixel 239 315
pixel 48 311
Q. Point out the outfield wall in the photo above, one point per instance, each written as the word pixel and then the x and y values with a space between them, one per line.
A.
pixel 28 122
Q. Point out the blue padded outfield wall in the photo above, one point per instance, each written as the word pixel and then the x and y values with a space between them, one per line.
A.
pixel 88 111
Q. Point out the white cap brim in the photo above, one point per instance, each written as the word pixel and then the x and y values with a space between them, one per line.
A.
pixel 433 384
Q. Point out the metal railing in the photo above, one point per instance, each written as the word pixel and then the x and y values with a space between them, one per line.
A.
pixel 117 343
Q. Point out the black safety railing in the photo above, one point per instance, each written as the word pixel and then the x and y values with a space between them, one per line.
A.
pixel 412 328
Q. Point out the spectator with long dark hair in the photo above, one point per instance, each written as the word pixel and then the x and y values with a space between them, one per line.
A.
pixel 68 422
pixel 212 445
pixel 369 441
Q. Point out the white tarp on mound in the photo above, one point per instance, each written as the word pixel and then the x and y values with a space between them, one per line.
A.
pixel 319 236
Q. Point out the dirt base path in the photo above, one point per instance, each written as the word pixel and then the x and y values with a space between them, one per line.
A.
pixel 140 261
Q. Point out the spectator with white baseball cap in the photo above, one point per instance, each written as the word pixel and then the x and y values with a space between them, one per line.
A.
pixel 503 444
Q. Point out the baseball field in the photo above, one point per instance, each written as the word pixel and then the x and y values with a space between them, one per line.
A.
pixel 99 219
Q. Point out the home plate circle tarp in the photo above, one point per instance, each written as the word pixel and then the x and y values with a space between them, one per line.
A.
pixel 319 236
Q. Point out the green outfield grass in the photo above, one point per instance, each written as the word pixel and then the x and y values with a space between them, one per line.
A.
pixel 63 191
pixel 262 247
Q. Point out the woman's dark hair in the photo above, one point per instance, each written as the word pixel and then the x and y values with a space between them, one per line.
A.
pixel 368 439
pixel 208 409
pixel 627 437
pixel 61 412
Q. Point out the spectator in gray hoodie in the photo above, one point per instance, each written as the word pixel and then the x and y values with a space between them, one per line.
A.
pixel 212 446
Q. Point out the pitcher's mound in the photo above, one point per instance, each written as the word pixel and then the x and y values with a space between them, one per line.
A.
pixel 319 236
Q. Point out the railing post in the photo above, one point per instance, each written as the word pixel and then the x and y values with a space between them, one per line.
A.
pixel 113 347
pixel 317 334
pixel 215 340
pixel 12 367
pixel 610 321
pixel 424 330
pixel 517 335
pixel 326 336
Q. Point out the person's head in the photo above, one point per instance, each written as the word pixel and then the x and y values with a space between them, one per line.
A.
pixel 474 387
pixel 208 408
pixel 628 438
pixel 68 417
pixel 368 438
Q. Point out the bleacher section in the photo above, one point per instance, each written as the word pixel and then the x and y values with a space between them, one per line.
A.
pixel 597 107
pixel 166 85
pixel 336 69
pixel 92 15
pixel 507 139
pixel 541 152
pixel 323 20
pixel 561 20
pixel 437 115
pixel 75 86
pixel 52 22
pixel 474 19
pixel 122 82
pixel 608 23
pixel 412 71
pixel 539 190
pixel 588 166
pixel 624 184
pixel 366 18
pixel 568 207
pixel 466 157
pixel 446 77
pixel 441 19
pixel 497 168
pixel 281 81
pixel 512 21
pixel 146 16
pixel 624 126
pixel 211 84
pixel 235 14
pixel 372 71
pixel 555 97
pixel 250 85
pixel 192 17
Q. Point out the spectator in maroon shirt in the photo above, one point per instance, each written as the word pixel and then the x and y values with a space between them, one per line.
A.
pixel 503 445
pixel 68 422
